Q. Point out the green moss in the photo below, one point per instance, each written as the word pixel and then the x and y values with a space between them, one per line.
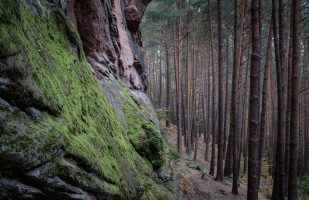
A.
pixel 141 131
pixel 70 171
pixel 153 191
pixel 304 187
pixel 155 139
pixel 173 154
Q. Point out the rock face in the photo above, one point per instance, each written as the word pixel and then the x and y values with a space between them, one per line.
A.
pixel 74 121
pixel 111 37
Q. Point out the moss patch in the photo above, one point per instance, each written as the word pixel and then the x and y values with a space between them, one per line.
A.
pixel 141 131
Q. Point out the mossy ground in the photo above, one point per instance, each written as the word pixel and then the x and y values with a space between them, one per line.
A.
pixel 81 114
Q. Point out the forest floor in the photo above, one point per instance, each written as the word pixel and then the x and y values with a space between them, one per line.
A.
pixel 189 176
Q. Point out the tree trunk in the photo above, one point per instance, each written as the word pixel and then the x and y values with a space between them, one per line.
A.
pixel 254 124
pixel 221 98
pixel 244 122
pixel 288 61
pixel 213 143
pixel 168 87
pixel 288 116
pixel 178 80
pixel 226 96
pixel 234 131
pixel 228 167
pixel 160 79
pixel 279 179
pixel 210 124
pixel 189 83
pixel 267 70
pixel 292 189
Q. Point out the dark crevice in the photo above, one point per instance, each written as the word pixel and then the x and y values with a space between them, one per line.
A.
pixel 82 163
pixel 33 109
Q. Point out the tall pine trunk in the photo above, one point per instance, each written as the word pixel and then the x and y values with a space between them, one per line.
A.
pixel 254 124
pixel 210 123
pixel 292 189
pixel 267 70
pixel 213 142
pixel 221 98
pixel 279 178
pixel 234 119
pixel 168 87
pixel 226 95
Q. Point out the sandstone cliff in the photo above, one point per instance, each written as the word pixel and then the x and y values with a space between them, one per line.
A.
pixel 74 121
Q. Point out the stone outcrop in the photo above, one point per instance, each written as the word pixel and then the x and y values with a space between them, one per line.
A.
pixel 111 37
pixel 74 120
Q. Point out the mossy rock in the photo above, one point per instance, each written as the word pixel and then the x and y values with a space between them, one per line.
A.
pixel 54 115
pixel 142 131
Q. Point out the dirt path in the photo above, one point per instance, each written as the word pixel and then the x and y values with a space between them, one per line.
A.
pixel 189 175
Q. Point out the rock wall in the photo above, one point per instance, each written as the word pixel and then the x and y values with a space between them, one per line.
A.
pixel 74 121
pixel 111 37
